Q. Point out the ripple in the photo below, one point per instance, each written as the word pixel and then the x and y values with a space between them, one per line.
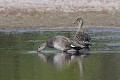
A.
pixel 44 51
pixel 107 37
pixel 35 40
pixel 113 44
pixel 95 30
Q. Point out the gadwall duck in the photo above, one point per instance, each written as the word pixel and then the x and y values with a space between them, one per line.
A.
pixel 81 37
pixel 61 43
pixel 58 42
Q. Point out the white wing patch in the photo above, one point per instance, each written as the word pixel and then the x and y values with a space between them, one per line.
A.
pixel 72 45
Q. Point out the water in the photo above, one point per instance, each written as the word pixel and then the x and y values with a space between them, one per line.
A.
pixel 20 61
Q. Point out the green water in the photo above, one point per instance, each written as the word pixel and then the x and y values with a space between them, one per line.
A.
pixel 19 59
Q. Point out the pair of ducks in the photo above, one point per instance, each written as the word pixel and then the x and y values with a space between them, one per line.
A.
pixel 81 40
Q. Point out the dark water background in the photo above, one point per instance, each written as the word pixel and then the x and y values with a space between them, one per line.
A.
pixel 19 59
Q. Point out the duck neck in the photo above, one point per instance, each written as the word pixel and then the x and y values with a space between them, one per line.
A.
pixel 80 24
pixel 42 46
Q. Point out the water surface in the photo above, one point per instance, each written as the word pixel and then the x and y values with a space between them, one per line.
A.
pixel 20 61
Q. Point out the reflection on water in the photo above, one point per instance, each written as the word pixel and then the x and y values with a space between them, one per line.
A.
pixel 59 60
pixel 20 61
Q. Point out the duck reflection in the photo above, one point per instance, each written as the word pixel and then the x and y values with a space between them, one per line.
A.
pixel 60 60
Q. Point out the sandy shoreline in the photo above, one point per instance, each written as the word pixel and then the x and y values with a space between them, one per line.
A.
pixel 49 19
pixel 43 14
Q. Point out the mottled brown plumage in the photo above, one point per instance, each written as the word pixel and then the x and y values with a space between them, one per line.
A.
pixel 80 37
pixel 59 42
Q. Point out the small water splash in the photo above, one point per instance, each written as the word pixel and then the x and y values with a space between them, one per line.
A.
pixel 32 52
pixel 50 51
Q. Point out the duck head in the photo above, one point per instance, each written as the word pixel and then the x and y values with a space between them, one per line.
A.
pixel 41 47
pixel 79 21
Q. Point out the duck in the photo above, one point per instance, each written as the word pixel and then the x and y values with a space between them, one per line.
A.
pixel 61 43
pixel 80 36
pixel 64 44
